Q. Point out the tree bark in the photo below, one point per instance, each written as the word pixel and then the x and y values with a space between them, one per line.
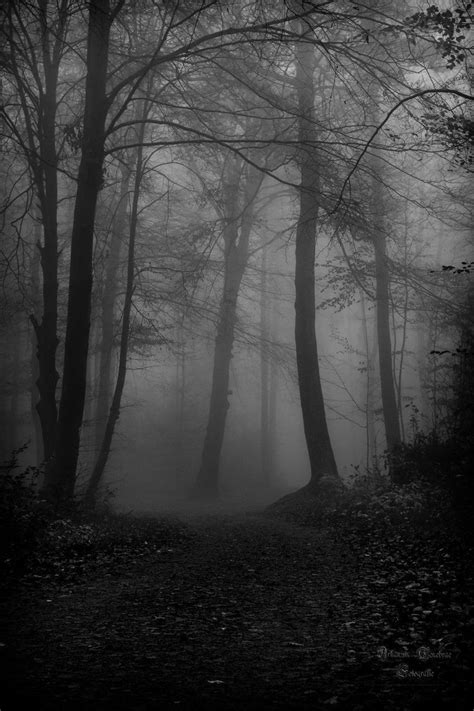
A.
pixel 61 472
pixel 320 451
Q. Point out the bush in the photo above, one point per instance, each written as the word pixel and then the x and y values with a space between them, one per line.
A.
pixel 38 541
pixel 21 516
pixel 375 507
pixel 426 458
pixel 445 465
pixel 390 506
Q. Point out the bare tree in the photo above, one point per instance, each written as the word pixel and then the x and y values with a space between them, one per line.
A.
pixel 35 44
pixel 114 413
pixel 60 474
pixel 320 451
pixel 240 186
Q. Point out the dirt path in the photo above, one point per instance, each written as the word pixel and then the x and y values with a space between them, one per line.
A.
pixel 248 613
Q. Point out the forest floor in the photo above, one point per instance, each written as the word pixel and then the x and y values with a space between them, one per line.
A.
pixel 244 611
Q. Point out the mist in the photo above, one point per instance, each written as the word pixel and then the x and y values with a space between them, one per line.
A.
pixel 236 355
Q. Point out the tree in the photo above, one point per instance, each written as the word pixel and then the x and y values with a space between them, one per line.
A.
pixel 320 451
pixel 114 413
pixel 109 295
pixel 382 302
pixel 238 207
pixel 182 35
pixel 267 378
pixel 35 43
pixel 301 69
pixel 61 470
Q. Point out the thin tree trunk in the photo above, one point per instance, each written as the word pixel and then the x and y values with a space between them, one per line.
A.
pixel 273 401
pixel 108 304
pixel 61 472
pixel 180 401
pixel 389 400
pixel 235 261
pixel 35 291
pixel 114 413
pixel 207 480
pixel 320 451
pixel 371 444
pixel 14 413
pixel 46 331
pixel 404 333
pixel 265 445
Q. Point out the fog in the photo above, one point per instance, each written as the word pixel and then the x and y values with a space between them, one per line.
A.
pixel 177 368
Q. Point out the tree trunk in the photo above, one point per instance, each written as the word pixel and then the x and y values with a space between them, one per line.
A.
pixel 320 451
pixel 61 472
pixel 114 413
pixel 207 480
pixel 35 291
pixel 47 185
pixel 14 413
pixel 273 401
pixel 406 305
pixel 265 443
pixel 107 315
pixel 387 384
pixel 371 440
pixel 180 402
pixel 46 331
pixel 235 261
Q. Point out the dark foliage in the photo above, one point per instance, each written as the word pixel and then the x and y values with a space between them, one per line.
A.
pixel 40 543
pixel 69 549
pixel 21 516
pixel 450 27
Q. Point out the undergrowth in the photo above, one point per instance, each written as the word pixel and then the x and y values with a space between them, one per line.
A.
pixel 41 544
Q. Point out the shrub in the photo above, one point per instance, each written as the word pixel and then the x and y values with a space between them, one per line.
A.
pixel 21 516
pixel 389 506
pixel 444 465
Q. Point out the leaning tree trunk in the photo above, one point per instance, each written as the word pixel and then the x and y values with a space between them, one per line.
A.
pixel 235 261
pixel 114 413
pixel 382 297
pixel 207 480
pixel 320 451
pixel 60 474
pixel 107 315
